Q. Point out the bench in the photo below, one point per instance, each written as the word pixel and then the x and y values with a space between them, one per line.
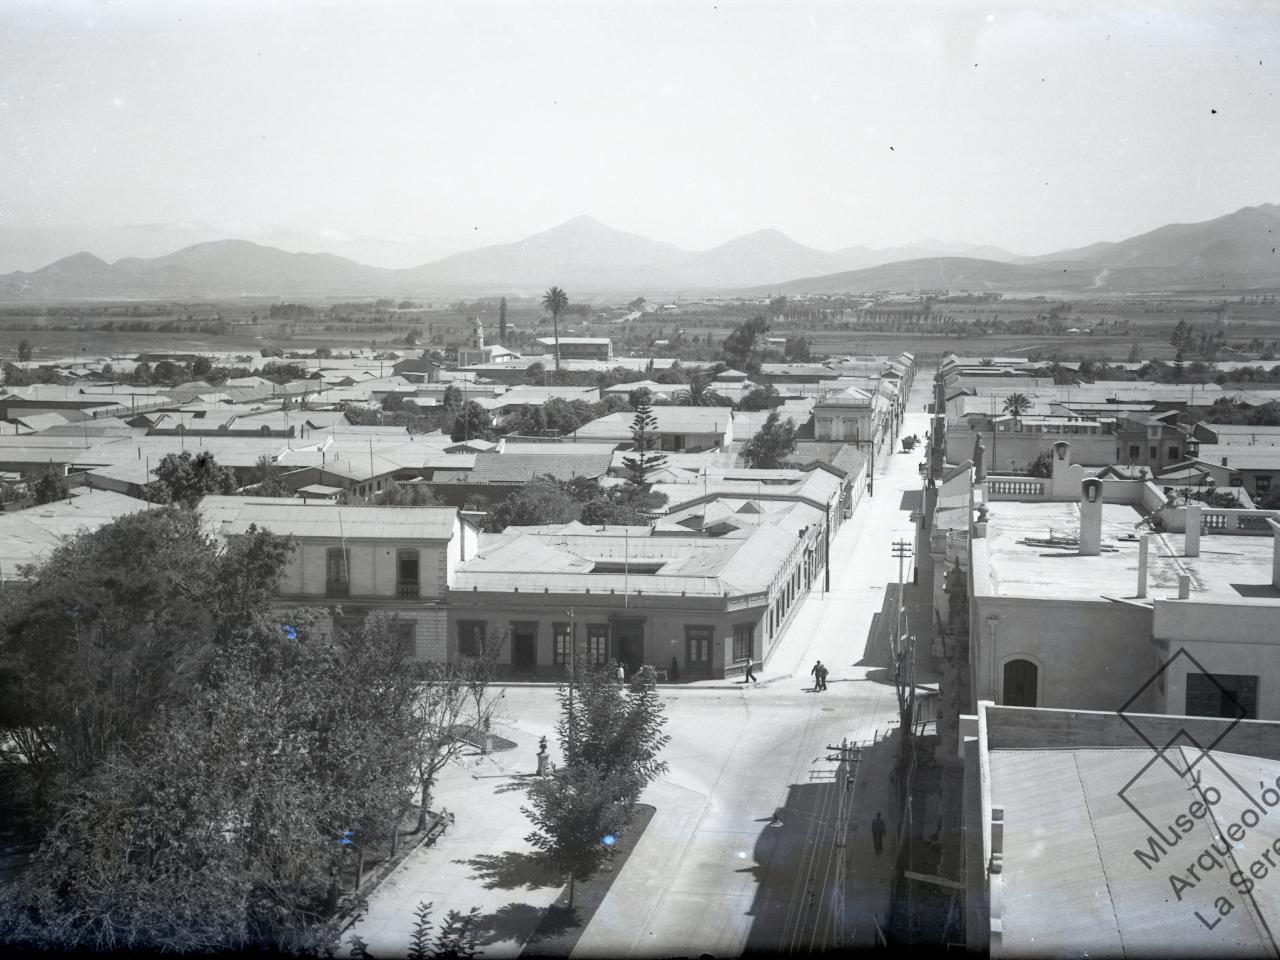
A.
pixel 443 820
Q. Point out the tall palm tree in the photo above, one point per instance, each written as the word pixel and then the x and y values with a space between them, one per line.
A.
pixel 553 302
pixel 1016 404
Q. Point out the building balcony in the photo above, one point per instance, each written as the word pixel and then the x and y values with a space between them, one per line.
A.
pixel 337 588
pixel 407 589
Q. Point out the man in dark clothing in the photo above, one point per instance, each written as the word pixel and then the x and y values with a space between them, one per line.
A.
pixel 822 677
pixel 877 833
pixel 817 675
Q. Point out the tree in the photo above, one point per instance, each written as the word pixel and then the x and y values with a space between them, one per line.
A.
pixel 502 320
pixel 760 398
pixel 49 486
pixel 182 478
pixel 411 494
pixel 474 422
pixel 452 708
pixel 770 447
pixel 1042 465
pixel 268 481
pixel 203 768
pixel 636 304
pixel 797 349
pixel 1016 404
pixel 24 351
pixel 541 501
pixel 610 741
pixel 741 347
pixel 411 338
pixel 452 399
pixel 627 504
pixel 643 443
pixel 640 396
pixel 201 366
pixel 554 302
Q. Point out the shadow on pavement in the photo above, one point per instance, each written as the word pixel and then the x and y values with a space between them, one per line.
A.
pixel 819 884
pixel 511 871
pixel 524 923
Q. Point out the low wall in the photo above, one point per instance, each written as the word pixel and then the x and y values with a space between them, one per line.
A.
pixel 1220 520
pixel 1025 728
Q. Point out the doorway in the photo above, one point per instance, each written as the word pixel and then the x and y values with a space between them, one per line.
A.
pixel 1020 680
pixel 697 652
pixel 630 636
pixel 524 647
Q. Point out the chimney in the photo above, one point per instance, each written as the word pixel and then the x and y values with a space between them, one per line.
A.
pixel 1091 517
pixel 1193 529
pixel 1184 586
pixel 1144 548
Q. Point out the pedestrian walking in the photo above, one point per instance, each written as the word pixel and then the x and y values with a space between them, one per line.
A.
pixel 822 677
pixel 542 757
pixel 877 833
pixel 816 671
pixel 750 677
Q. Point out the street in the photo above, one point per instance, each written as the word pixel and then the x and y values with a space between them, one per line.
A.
pixel 712 873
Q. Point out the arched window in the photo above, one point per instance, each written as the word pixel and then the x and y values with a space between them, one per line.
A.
pixel 1020 681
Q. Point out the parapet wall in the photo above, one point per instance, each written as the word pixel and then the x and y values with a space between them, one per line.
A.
pixel 1028 728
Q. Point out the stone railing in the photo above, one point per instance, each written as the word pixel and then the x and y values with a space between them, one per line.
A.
pixel 1221 521
pixel 1017 488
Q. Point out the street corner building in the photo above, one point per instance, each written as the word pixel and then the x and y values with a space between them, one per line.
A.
pixel 637 595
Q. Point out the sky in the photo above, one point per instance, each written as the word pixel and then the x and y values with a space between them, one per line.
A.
pixel 396 133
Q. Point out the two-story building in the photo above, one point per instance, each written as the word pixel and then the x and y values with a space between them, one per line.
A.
pixel 354 560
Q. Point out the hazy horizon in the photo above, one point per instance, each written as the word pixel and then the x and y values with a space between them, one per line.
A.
pixel 395 134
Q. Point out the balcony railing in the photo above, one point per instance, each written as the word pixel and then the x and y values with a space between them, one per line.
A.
pixel 407 589
pixel 337 588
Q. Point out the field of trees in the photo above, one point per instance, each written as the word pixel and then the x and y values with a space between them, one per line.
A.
pixel 1118 328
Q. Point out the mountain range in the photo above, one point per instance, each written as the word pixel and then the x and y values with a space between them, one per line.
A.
pixel 1236 251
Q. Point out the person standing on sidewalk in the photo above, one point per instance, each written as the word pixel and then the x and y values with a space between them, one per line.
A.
pixel 877 833
pixel 817 675
pixel 822 676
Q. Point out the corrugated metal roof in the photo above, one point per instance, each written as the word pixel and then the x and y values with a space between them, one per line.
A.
pixel 357 522
pixel 561 461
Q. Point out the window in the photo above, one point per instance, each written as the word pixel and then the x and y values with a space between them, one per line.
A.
pixel 407 573
pixel 405 634
pixel 1135 451
pixel 1262 483
pixel 337 567
pixel 471 637
pixel 1173 453
pixel 598 643
pixel 563 643
pixel 743 641
pixel 1155 453
pixel 1222 695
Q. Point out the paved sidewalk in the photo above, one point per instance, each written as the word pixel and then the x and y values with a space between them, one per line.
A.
pixel 481 861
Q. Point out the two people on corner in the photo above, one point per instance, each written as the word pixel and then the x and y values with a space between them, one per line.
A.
pixel 819 673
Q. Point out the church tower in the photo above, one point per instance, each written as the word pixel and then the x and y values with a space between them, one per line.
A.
pixel 477 336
